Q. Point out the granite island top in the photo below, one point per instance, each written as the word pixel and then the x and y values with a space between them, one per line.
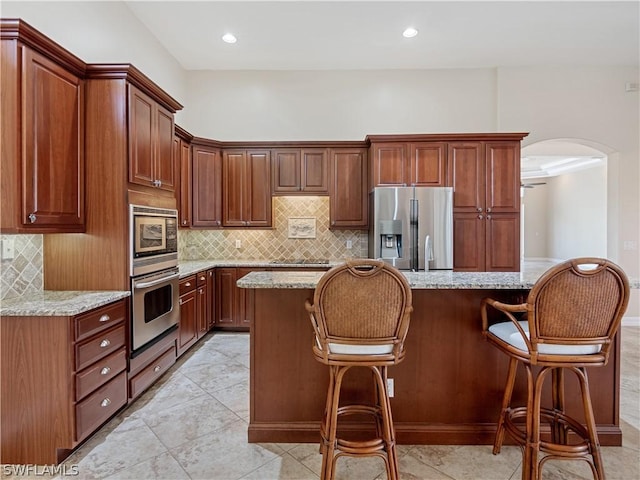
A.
pixel 51 303
pixel 190 267
pixel 443 279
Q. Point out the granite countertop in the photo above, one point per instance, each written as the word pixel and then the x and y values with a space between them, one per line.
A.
pixel 50 303
pixel 193 266
pixel 447 279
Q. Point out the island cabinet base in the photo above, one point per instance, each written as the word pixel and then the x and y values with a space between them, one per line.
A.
pixel 448 390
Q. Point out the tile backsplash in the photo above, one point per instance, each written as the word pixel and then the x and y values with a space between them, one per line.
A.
pixel 275 243
pixel 24 273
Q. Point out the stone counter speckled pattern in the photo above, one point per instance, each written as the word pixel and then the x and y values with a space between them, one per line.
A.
pixel 50 303
pixel 190 267
pixel 525 279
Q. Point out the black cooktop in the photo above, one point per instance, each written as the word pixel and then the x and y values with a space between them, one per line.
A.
pixel 301 261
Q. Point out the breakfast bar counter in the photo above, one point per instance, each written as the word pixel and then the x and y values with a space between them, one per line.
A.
pixel 448 389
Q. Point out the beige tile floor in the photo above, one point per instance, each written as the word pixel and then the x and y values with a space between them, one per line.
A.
pixel 192 425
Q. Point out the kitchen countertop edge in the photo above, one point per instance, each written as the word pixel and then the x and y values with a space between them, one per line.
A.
pixel 63 303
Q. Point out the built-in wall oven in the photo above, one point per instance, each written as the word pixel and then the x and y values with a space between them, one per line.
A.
pixel 155 292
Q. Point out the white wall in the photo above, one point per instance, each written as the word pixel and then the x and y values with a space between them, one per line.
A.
pixel 338 105
pixel 103 32
pixel 534 207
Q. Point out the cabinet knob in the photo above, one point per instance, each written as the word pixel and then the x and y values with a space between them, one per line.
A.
pixel 180 301
pixel 156 369
pixel 184 222
pixel 32 217
pixel 105 371
pixel 480 217
pixel 188 284
pixel 105 343
pixel 106 402
pixel 478 209
pixel 203 277
pixel 218 222
pixel 488 217
pixel 159 183
pixel 104 318
pixel 488 210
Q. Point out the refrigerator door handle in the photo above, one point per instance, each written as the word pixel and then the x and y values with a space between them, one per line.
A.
pixel 413 235
pixel 428 252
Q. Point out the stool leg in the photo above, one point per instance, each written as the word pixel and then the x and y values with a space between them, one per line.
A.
pixel 534 437
pixel 506 403
pixel 388 431
pixel 558 430
pixel 324 426
pixel 528 456
pixel 594 446
pixel 331 425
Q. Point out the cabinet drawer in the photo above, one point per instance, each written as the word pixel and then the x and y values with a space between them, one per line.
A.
pixel 100 319
pixel 187 284
pixel 99 346
pixel 201 279
pixel 100 372
pixel 151 373
pixel 102 404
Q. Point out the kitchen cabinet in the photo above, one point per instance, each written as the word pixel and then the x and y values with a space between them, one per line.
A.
pixel 400 164
pixel 348 201
pixel 300 171
pixel 188 326
pixel 204 302
pixel 246 188
pixel 151 132
pixel 485 177
pixel 76 368
pixel 232 303
pixel 182 155
pixel 43 132
pixel 206 186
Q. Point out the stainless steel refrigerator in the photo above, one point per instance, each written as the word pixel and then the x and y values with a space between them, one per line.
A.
pixel 411 224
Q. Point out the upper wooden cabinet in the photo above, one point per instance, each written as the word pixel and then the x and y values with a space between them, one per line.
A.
pixel 398 164
pixel 42 144
pixel 296 171
pixel 246 188
pixel 206 186
pixel 182 155
pixel 151 161
pixel 348 207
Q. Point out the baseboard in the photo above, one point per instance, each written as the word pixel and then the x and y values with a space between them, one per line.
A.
pixel 631 321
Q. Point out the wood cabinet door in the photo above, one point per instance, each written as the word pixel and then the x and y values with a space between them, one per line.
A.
pixel 165 162
pixel 141 137
pixel 468 242
pixel 314 168
pixel 502 164
pixel 502 242
pixel 348 202
pixel 466 175
pixel 226 306
pixel 183 192
pixel 211 298
pixel 202 310
pixel 389 165
pixel 427 164
pixel 233 179
pixel 286 171
pixel 206 178
pixel 53 145
pixel 257 189
pixel 187 328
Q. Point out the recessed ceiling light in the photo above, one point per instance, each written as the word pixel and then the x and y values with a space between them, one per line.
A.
pixel 229 38
pixel 410 32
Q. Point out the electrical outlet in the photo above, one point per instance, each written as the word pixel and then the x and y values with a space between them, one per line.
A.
pixel 238 243
pixel 349 244
pixel 390 387
pixel 8 248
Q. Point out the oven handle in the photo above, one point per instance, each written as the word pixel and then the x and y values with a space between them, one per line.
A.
pixel 156 282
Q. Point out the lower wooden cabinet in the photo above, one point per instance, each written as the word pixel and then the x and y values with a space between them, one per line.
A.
pixel 232 303
pixel 196 308
pixel 61 378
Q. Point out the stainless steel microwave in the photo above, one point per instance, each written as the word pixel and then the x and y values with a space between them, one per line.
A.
pixel 153 239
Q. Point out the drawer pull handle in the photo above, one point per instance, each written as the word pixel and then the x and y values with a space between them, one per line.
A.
pixel 188 284
pixel 105 343
pixel 157 368
pixel 105 371
pixel 104 318
pixel 106 402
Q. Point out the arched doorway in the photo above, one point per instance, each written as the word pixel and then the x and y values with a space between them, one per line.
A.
pixel 566 201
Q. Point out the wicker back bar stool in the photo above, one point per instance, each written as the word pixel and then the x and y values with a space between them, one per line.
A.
pixel 568 323
pixel 360 316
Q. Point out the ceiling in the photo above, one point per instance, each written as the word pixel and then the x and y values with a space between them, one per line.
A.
pixel 355 35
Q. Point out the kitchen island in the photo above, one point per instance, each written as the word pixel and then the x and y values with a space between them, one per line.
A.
pixel 449 388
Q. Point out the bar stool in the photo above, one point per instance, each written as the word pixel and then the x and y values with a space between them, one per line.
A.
pixel 360 316
pixel 572 314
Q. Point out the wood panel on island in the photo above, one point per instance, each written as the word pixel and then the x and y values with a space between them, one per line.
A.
pixel 76 366
pixel 42 121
